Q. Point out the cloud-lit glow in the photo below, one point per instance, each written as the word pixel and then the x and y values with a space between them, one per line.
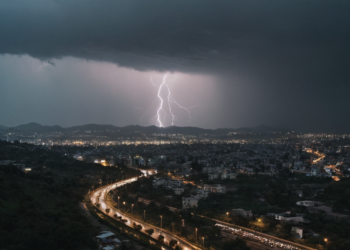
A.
pixel 72 91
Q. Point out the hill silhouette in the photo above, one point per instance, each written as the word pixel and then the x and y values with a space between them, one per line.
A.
pixel 131 129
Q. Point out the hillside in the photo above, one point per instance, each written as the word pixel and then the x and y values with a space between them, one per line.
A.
pixel 131 129
pixel 3 127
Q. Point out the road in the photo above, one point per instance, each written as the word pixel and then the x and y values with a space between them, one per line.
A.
pixel 255 238
pixel 252 244
pixel 260 238
pixel 100 196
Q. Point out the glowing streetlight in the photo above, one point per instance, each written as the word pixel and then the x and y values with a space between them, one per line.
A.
pixel 227 213
pixel 203 242
pixel 132 208
pixel 118 202
pixel 326 240
pixel 196 236
pixel 161 222
pixel 124 206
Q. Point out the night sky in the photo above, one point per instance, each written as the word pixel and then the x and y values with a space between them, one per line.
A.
pixel 239 63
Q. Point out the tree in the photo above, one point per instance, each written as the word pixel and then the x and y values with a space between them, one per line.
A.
pixel 137 227
pixel 161 238
pixel 237 244
pixel 172 243
pixel 149 231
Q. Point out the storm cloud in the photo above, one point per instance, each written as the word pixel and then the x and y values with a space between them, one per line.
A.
pixel 182 35
pixel 290 59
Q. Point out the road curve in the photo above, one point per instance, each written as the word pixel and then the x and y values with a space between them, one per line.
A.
pixel 100 196
pixel 223 224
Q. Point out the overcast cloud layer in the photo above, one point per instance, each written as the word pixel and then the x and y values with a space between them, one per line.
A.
pixel 280 63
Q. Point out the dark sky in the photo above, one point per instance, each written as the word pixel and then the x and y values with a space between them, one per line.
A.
pixel 234 63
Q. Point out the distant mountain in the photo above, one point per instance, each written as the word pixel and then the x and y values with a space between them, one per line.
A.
pixel 261 129
pixel 3 127
pixel 132 129
pixel 39 128
pixel 88 127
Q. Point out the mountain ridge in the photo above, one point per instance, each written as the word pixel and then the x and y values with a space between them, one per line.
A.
pixel 130 129
pixel 3 127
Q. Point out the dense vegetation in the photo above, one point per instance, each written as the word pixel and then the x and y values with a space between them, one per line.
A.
pixel 38 212
pixel 40 209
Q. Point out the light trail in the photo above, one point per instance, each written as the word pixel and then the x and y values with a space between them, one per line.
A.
pixel 100 196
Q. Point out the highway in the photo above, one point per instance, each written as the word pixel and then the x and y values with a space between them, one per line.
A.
pixel 255 238
pixel 100 196
pixel 260 238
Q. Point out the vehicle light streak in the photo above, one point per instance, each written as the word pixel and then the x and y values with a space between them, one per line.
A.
pixel 114 213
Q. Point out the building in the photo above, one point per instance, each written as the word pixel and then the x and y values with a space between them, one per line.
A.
pixel 213 176
pixel 158 182
pixel 188 202
pixel 107 240
pixel 7 162
pixel 227 175
pixel 215 188
pixel 329 213
pixel 287 217
pixel 178 191
pixel 306 203
pixel 298 231
pixel 242 213
pixel 287 165
pixel 337 216
pixel 315 170
pixel 320 209
pixel 127 162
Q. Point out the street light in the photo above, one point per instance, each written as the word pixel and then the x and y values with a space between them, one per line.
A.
pixel 132 208
pixel 161 222
pixel 196 236
pixel 118 203
pixel 326 240
pixel 124 206
pixel 203 242
pixel 227 213
pixel 144 214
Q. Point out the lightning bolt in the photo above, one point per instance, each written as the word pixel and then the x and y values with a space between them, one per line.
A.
pixel 152 82
pixel 161 104
pixel 173 117
pixel 171 101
